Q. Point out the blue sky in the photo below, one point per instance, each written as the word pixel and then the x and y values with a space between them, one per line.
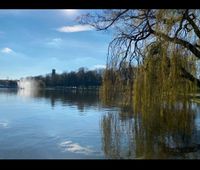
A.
pixel 33 42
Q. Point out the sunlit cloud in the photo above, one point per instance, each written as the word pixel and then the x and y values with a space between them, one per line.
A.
pixel 70 12
pixel 7 50
pixel 99 66
pixel 75 28
pixel 75 147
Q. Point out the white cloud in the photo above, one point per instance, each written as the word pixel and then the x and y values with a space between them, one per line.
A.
pixel 75 28
pixel 75 147
pixel 6 50
pixel 99 66
pixel 70 12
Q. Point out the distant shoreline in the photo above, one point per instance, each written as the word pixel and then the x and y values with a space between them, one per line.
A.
pixel 56 88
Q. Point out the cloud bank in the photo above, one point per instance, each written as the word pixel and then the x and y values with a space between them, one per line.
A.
pixel 75 28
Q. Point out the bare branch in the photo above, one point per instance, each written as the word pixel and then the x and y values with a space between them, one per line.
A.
pixel 195 27
pixel 176 40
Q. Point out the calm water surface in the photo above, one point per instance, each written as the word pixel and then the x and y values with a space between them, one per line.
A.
pixel 53 124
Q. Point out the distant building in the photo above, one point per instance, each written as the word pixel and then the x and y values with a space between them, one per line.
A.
pixel 53 72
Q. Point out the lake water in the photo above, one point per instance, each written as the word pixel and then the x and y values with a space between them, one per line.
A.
pixel 58 124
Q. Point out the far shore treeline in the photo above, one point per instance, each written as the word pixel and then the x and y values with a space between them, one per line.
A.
pixel 8 83
pixel 82 78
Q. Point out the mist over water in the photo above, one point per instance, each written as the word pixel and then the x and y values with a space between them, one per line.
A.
pixel 28 87
pixel 28 84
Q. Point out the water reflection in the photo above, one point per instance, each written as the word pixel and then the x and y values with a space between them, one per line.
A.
pixel 28 93
pixel 172 134
pixel 30 128
pixel 75 147
pixel 80 98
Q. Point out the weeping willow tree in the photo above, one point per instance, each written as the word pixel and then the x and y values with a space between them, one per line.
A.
pixel 153 64
pixel 164 48
pixel 160 82
pixel 118 85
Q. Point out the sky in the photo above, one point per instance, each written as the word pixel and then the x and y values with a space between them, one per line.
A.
pixel 33 42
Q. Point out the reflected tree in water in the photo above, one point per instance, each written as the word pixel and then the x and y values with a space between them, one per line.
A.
pixel 80 98
pixel 150 135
